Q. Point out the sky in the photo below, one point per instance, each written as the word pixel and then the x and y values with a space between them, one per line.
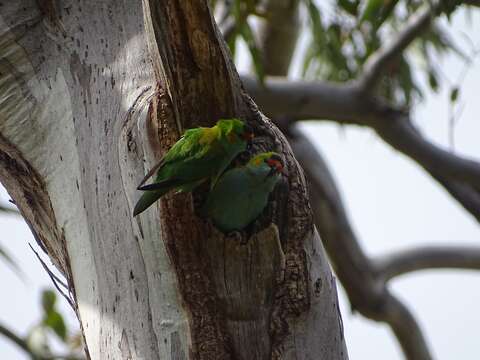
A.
pixel 393 205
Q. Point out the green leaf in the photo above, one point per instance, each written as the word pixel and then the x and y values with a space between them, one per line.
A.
pixel 376 12
pixel 247 35
pixel 55 321
pixel 318 29
pixel 48 301
pixel 349 6
pixel 236 9
pixel 442 41
pixel 371 10
pixel 454 94
pixel 407 87
pixel 432 80
pixel 309 59
pixel 232 44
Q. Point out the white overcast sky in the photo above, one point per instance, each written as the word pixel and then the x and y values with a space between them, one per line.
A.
pixel 392 203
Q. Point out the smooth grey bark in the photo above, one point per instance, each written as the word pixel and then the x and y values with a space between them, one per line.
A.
pixel 278 35
pixel 91 94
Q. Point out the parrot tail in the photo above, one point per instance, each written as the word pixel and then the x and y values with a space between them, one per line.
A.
pixel 155 191
pixel 147 199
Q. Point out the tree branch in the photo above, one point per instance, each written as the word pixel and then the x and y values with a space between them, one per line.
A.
pixel 347 104
pixel 400 133
pixel 377 63
pixel 467 196
pixel 428 257
pixel 363 279
pixel 278 34
pixel 364 286
pixel 472 2
pixel 303 100
pixel 459 176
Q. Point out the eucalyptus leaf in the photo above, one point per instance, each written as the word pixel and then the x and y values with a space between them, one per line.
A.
pixel 54 321
pixel 247 35
pixel 454 92
pixel 48 300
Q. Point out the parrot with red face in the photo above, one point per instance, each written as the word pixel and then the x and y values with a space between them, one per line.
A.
pixel 241 194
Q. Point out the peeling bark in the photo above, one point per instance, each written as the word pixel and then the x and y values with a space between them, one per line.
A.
pixel 91 95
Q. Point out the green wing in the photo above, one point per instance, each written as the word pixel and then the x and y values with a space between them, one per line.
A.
pixel 187 164
pixel 187 147
pixel 190 161
pixel 180 150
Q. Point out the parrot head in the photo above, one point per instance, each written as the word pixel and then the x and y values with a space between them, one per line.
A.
pixel 275 163
pixel 236 127
pixel 271 159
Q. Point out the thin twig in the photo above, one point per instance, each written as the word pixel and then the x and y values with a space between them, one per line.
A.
pixel 55 280
pixel 377 63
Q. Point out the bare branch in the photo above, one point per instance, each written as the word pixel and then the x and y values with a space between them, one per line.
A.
pixel 429 257
pixel 57 281
pixel 403 136
pixel 352 103
pixel 468 197
pixel 278 34
pixel 364 286
pixel 472 2
pixel 459 176
pixel 302 100
pixel 391 50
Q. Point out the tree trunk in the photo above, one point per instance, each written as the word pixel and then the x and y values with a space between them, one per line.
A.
pixel 91 95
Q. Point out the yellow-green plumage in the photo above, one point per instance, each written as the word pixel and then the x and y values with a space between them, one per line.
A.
pixel 241 194
pixel 201 154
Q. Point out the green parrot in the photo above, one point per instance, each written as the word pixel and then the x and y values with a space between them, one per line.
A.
pixel 241 194
pixel 200 154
